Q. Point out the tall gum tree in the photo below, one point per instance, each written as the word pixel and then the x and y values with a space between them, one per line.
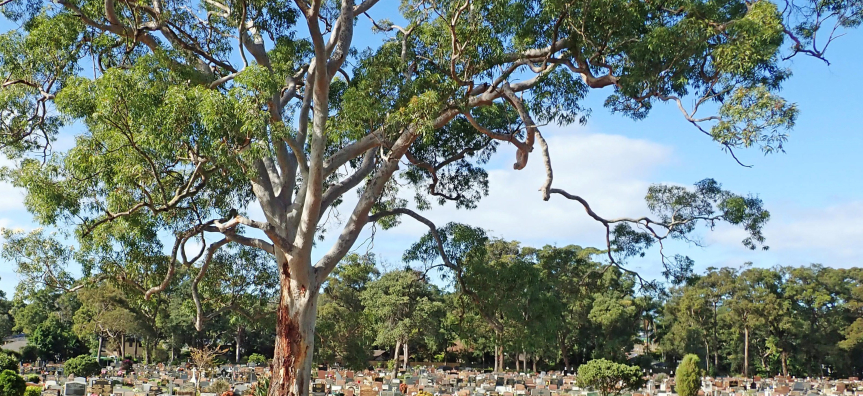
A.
pixel 194 110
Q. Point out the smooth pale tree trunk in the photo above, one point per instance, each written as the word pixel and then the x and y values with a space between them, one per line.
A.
pixel 516 362
pixel 123 346
pixel 239 341
pixel 295 328
pixel 496 360
pixel 146 351
pixel 406 356
pixel 396 357
pixel 707 355
pixel 746 352
pixel 172 349
pixel 99 351
pixel 523 360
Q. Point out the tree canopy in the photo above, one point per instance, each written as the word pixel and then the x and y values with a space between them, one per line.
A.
pixel 195 112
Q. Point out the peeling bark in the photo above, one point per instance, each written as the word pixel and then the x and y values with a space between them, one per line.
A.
pixel 292 362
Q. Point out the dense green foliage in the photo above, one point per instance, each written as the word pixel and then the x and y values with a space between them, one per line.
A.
pixel 7 323
pixel 610 378
pixel 8 362
pixel 11 384
pixel 258 359
pixel 801 321
pixel 405 309
pixel 687 377
pixel 82 366
pixel 33 391
pixel 345 330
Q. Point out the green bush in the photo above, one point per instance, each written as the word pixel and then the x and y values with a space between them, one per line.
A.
pixel 8 362
pixel 34 378
pixel 82 366
pixel 687 378
pixel 33 391
pixel 11 384
pixel 609 378
pixel 257 358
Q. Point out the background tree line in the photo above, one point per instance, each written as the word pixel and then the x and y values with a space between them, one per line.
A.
pixel 510 307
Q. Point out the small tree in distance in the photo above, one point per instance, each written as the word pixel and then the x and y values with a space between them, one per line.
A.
pixel 82 366
pixel 688 378
pixel 258 359
pixel 609 378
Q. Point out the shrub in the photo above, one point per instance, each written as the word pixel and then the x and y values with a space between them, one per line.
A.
pixel 33 391
pixel 257 358
pixel 687 379
pixel 218 386
pixel 11 384
pixel 8 362
pixel 609 378
pixel 126 365
pixel 82 366
pixel 34 378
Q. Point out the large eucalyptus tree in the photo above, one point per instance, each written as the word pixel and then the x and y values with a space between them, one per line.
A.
pixel 188 112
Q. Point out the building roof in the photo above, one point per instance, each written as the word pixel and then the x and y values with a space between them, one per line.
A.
pixel 15 343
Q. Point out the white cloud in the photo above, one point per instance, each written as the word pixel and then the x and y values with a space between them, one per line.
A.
pixel 798 235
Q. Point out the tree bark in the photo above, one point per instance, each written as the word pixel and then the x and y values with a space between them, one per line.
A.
pixel 146 352
pixel 295 328
pixel 99 351
pixel 534 363
pixel 564 351
pixel 396 357
pixel 239 341
pixel 707 356
pixel 406 356
pixel 516 362
pixel 172 348
pixel 496 360
pixel 784 358
pixel 746 352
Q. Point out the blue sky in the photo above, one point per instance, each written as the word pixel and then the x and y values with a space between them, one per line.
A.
pixel 814 191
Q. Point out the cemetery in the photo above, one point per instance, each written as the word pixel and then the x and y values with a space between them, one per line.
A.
pixel 158 380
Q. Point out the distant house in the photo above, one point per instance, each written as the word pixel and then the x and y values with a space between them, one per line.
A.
pixel 15 343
